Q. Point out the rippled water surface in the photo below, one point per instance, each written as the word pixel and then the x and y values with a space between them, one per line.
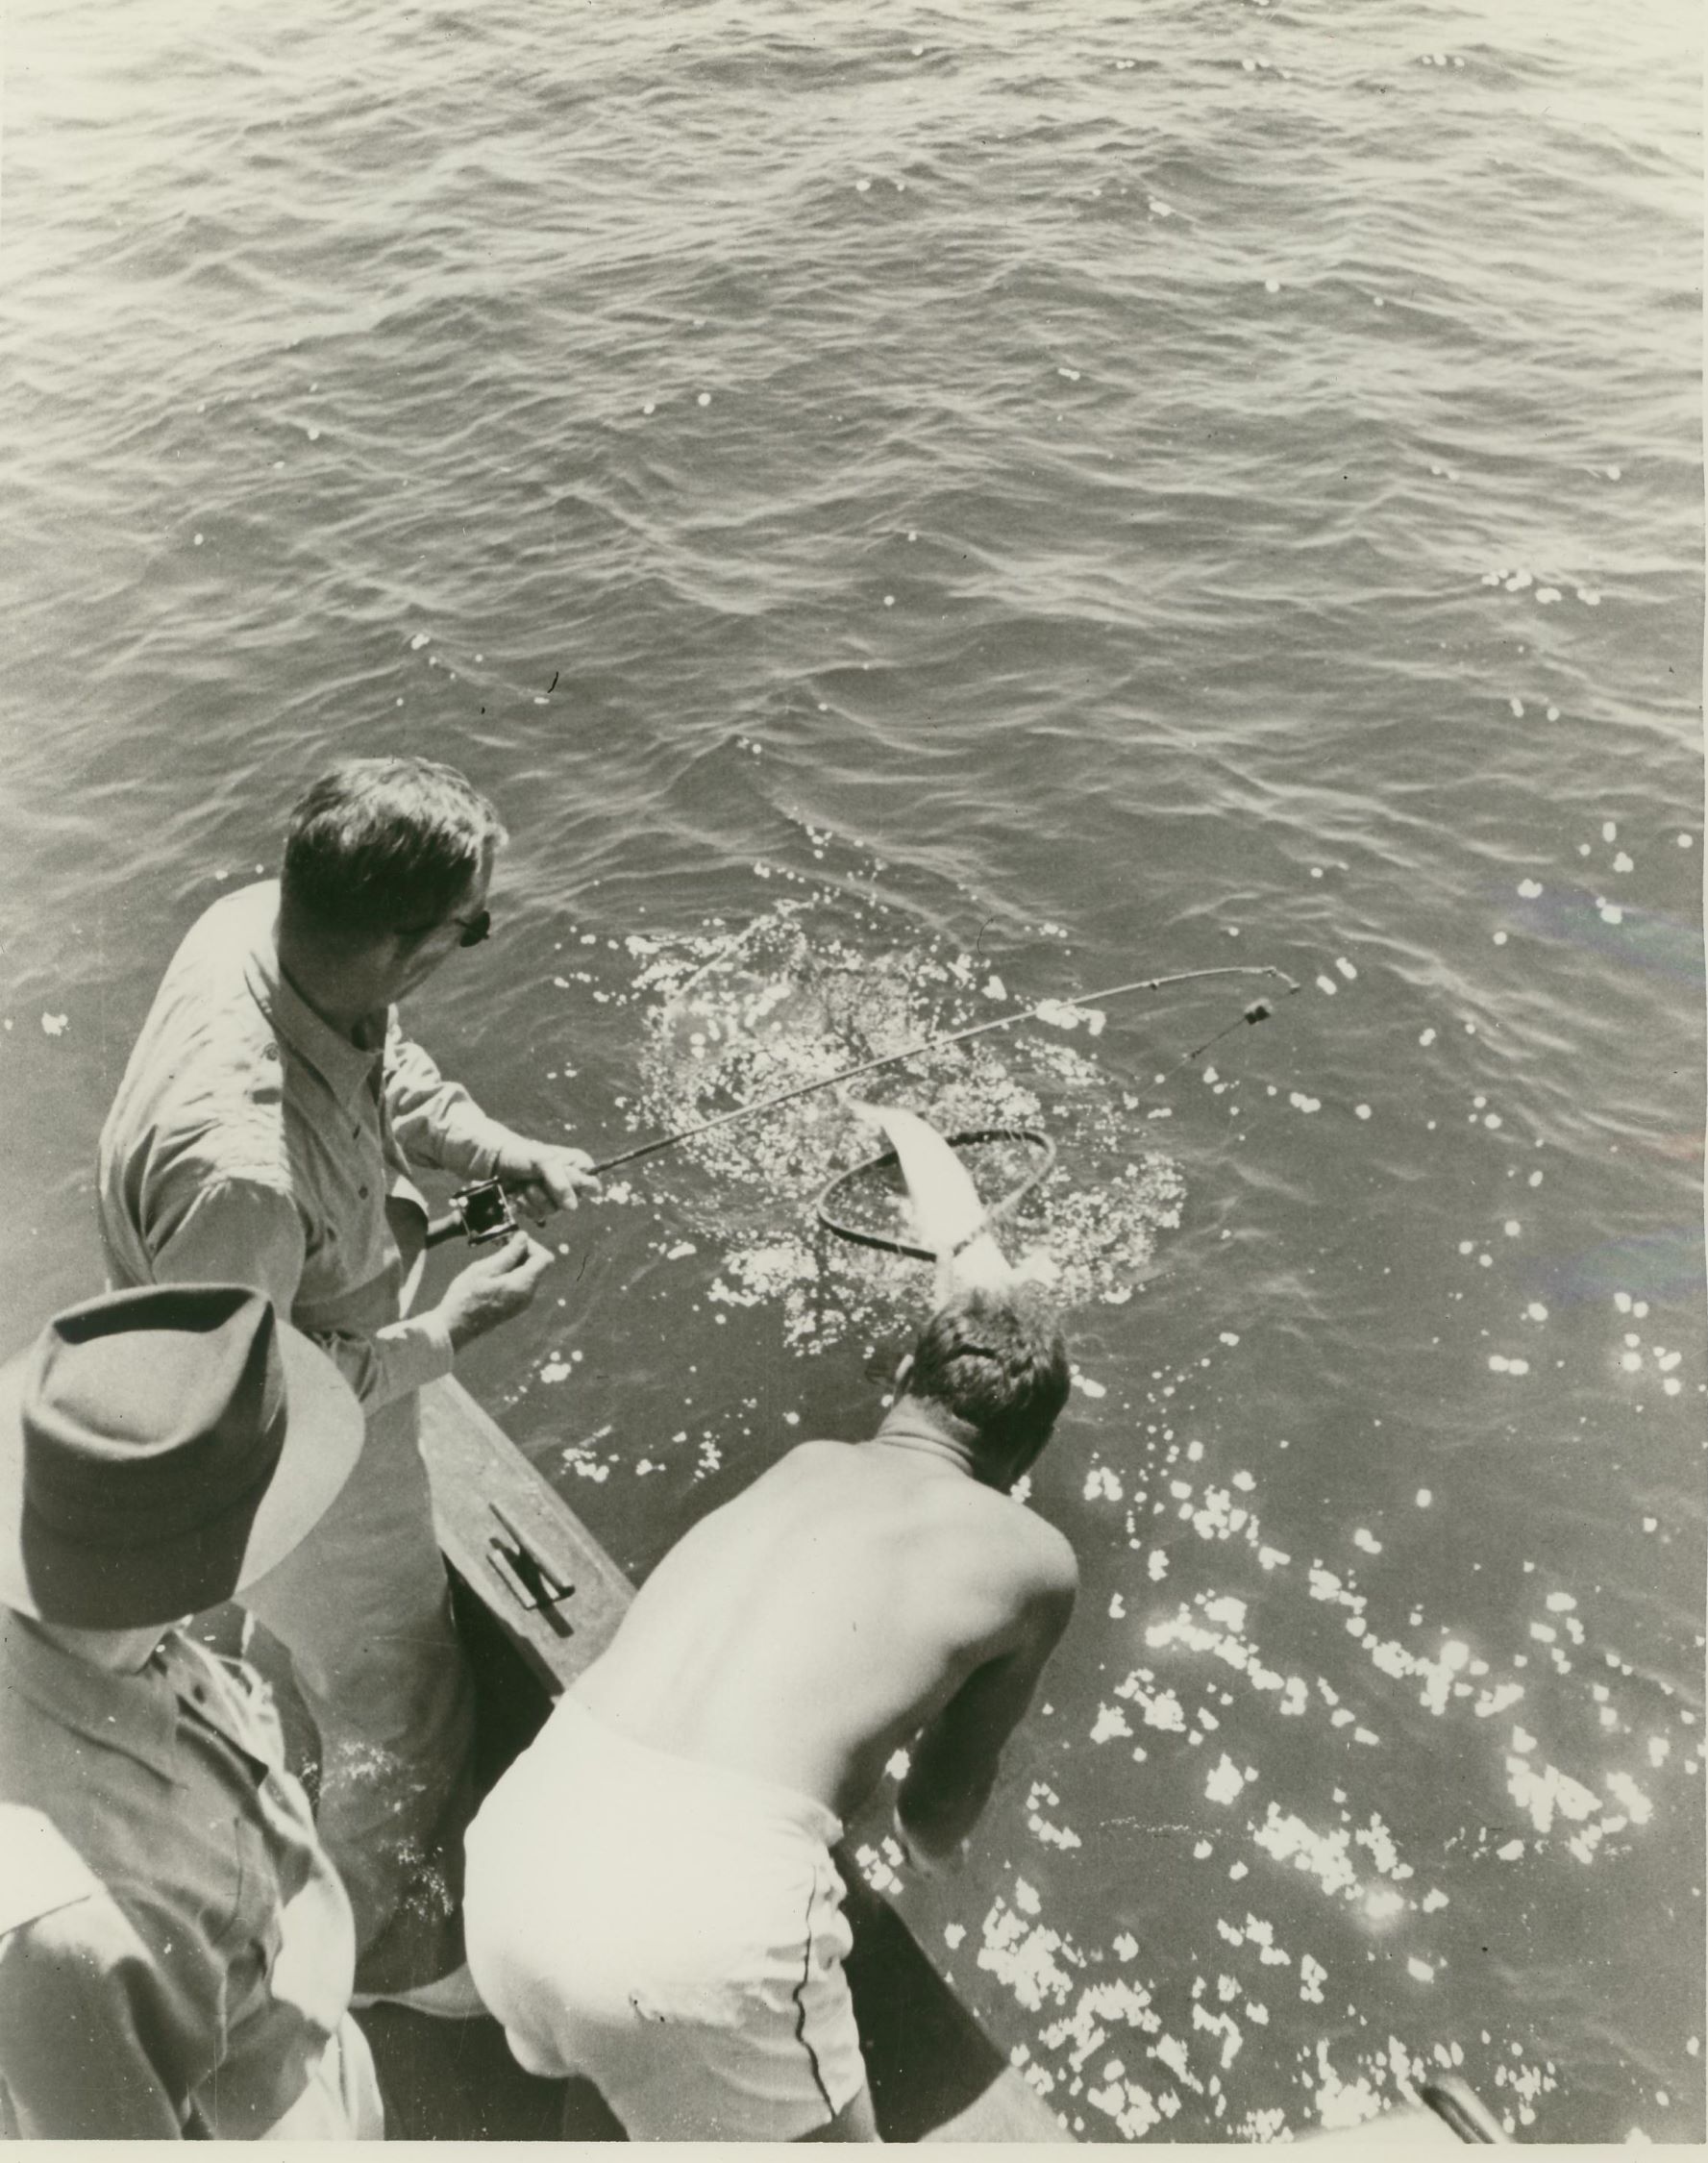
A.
pixel 912 514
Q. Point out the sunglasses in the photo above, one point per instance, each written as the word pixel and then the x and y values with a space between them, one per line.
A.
pixel 472 931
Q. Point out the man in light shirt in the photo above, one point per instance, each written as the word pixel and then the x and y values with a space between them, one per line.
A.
pixel 176 1951
pixel 265 1133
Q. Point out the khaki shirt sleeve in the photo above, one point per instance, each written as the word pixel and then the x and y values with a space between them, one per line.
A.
pixel 85 2031
pixel 39 1869
pixel 438 1124
pixel 243 1232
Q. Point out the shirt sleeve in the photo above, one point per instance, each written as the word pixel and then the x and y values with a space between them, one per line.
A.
pixel 39 1869
pixel 438 1124
pixel 243 1232
pixel 84 2030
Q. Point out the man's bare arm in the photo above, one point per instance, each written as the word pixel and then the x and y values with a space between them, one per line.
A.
pixel 955 1759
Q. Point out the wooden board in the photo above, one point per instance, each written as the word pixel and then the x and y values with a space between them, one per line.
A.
pixel 484 1494
pixel 516 1544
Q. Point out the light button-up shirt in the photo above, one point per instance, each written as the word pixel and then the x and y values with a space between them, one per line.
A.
pixel 210 2008
pixel 251 1143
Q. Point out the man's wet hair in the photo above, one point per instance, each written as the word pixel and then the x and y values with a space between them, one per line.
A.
pixel 378 846
pixel 996 1360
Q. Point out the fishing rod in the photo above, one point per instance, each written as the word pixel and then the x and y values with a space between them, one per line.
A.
pixel 1259 1010
pixel 490 1218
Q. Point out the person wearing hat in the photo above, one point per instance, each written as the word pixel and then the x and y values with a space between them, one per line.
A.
pixel 181 1961
pixel 267 1130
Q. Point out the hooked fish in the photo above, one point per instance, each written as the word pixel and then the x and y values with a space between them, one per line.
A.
pixel 948 1215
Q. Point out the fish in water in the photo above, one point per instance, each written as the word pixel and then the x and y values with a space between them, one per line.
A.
pixel 948 1215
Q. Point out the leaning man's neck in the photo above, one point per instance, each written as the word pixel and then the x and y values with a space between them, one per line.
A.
pixel 347 1013
pixel 930 1429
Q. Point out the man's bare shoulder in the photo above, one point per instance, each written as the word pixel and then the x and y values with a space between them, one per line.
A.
pixel 1052 1564
pixel 1031 1555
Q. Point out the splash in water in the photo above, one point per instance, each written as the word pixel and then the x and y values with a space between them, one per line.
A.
pixel 789 1000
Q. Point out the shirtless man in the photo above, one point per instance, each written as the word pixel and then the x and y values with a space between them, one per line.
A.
pixel 651 1899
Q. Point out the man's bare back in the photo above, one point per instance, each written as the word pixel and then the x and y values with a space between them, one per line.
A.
pixel 856 1594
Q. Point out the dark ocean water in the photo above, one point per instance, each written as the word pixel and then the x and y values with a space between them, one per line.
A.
pixel 1055 495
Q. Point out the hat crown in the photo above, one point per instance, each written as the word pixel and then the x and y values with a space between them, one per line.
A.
pixel 162 1449
pixel 149 1412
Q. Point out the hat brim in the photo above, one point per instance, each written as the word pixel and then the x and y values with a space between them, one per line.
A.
pixel 107 1590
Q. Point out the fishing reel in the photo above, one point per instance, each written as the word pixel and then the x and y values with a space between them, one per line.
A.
pixel 481 1213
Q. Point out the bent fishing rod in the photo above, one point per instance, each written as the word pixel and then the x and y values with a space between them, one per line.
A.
pixel 483 1212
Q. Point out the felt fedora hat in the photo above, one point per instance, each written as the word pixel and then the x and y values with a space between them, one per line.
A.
pixel 161 1450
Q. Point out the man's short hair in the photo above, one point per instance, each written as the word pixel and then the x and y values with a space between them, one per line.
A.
pixel 996 1360
pixel 384 845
